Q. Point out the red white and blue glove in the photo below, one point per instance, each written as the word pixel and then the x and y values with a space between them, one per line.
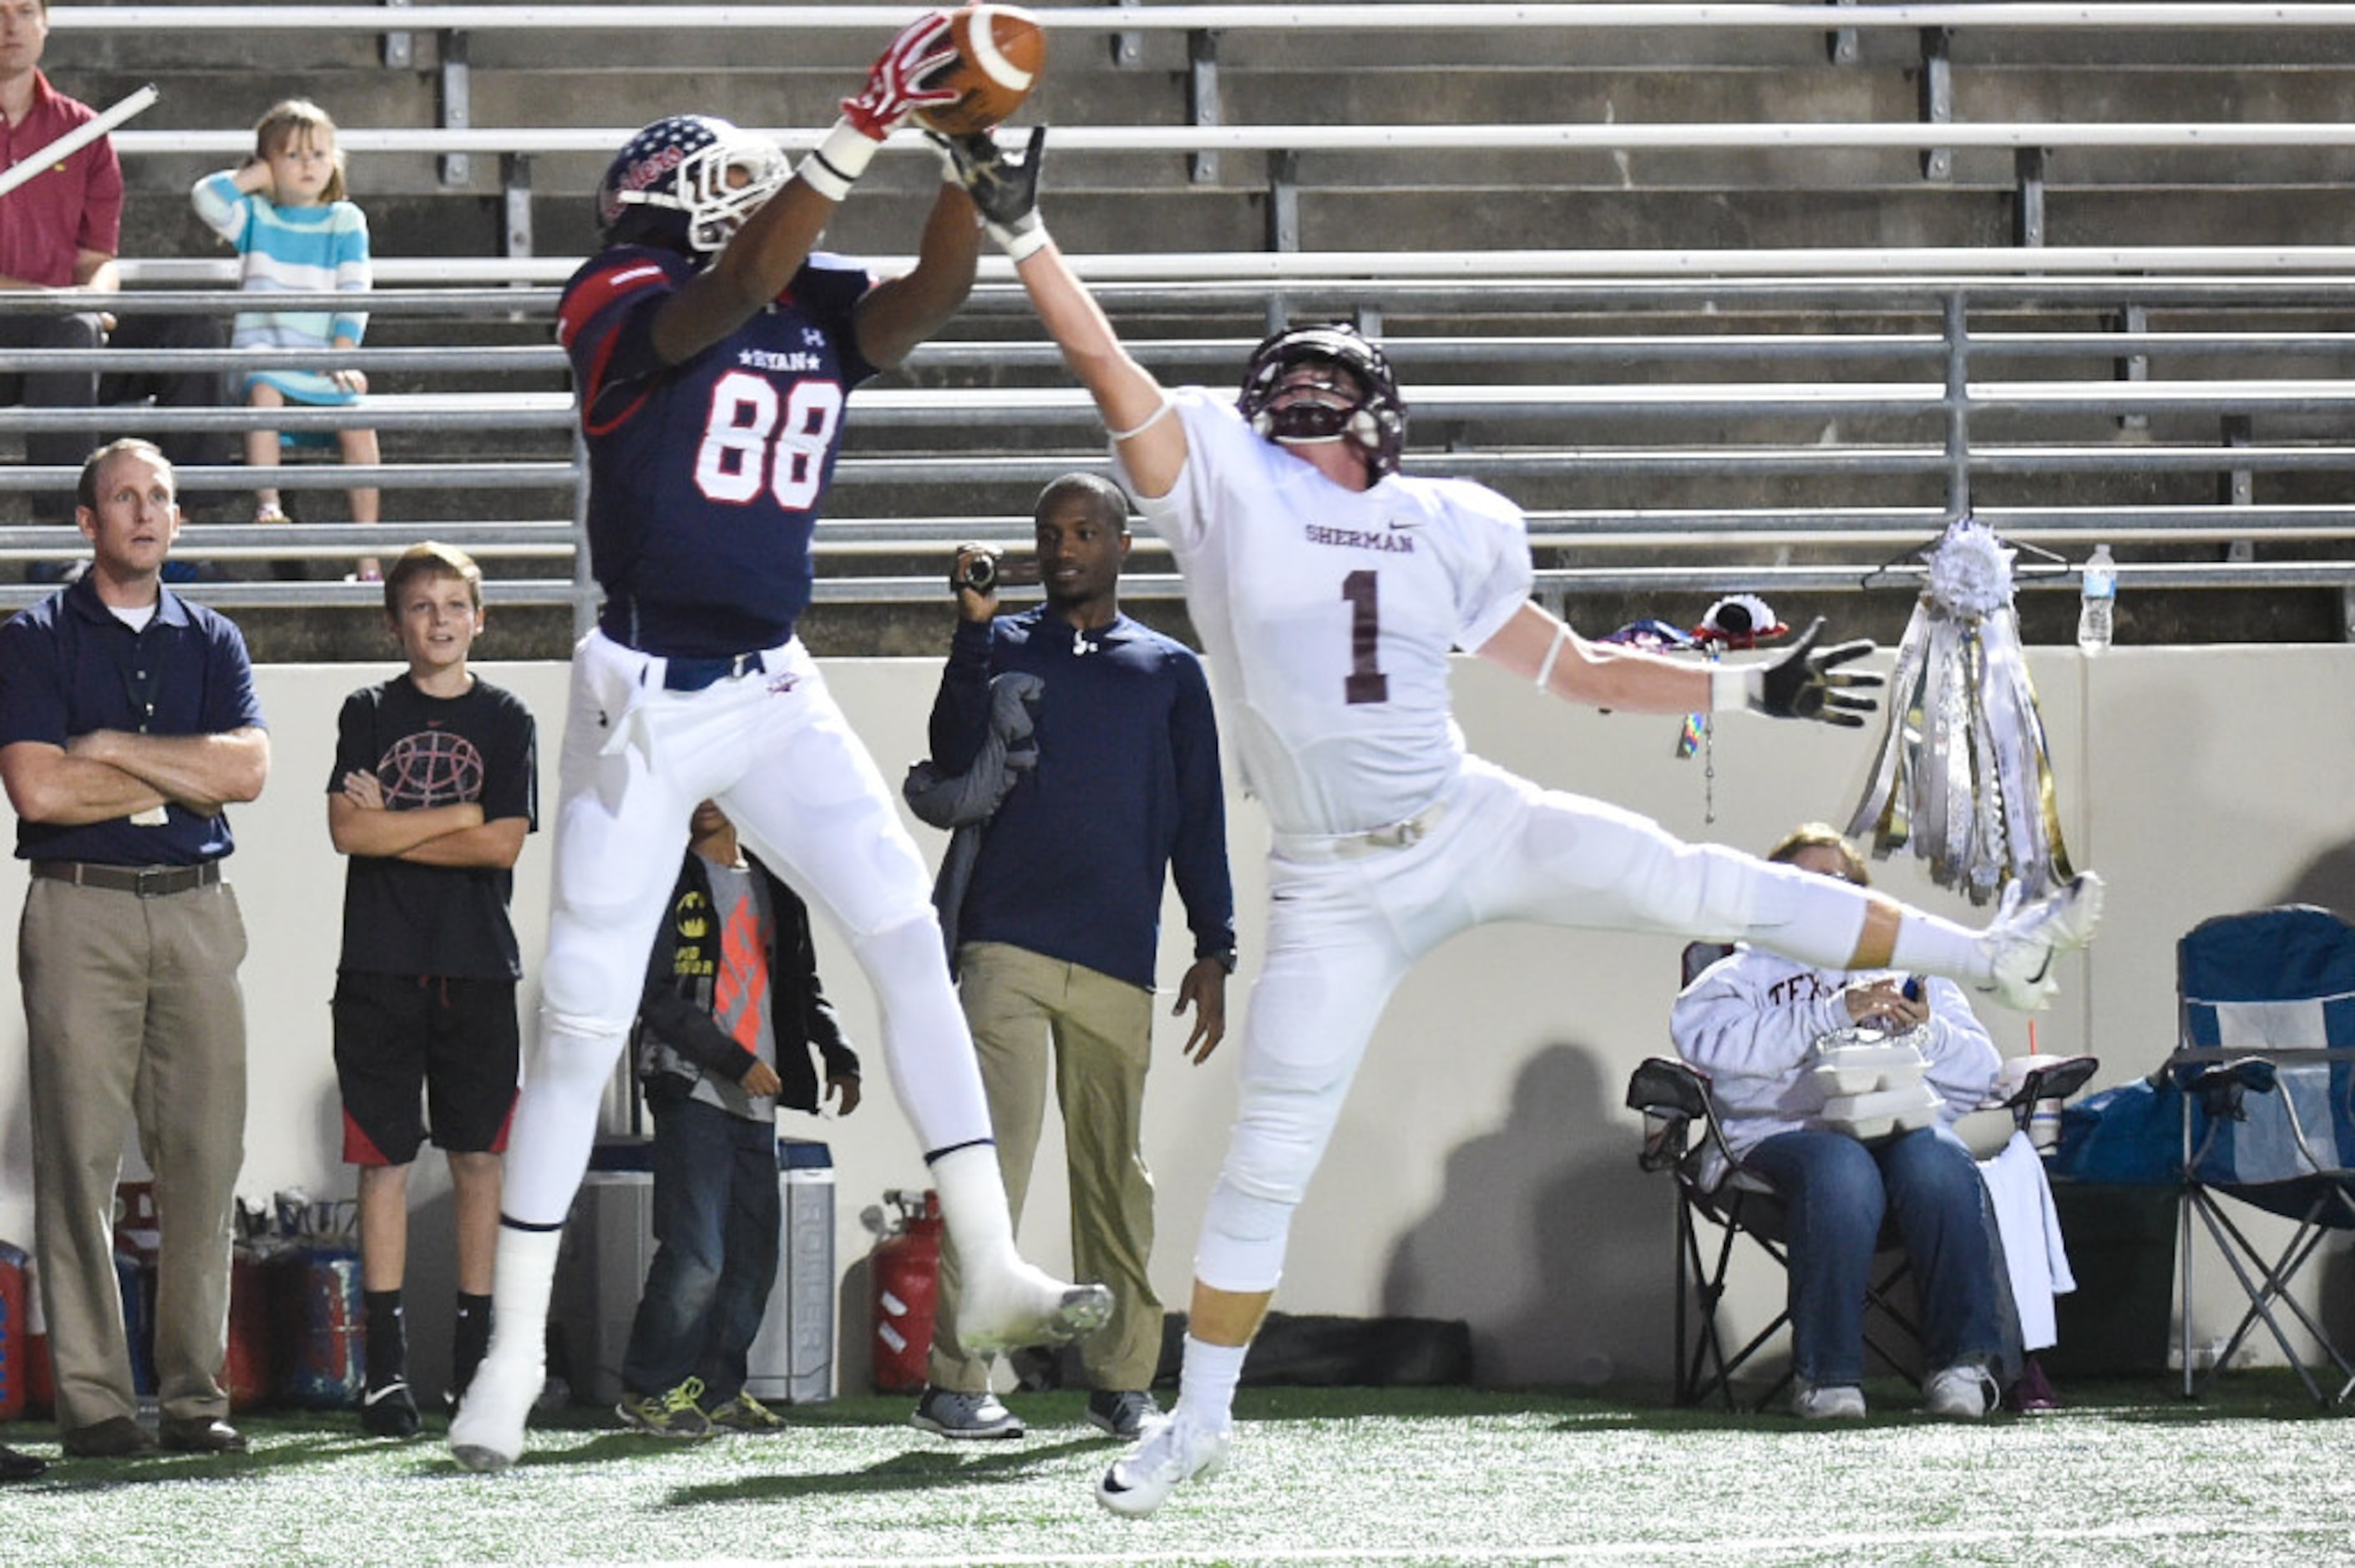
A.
pixel 894 90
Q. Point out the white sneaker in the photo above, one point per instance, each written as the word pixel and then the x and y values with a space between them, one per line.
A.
pixel 487 1432
pixel 2021 943
pixel 1175 1450
pixel 1963 1392
pixel 1833 1402
pixel 1017 1304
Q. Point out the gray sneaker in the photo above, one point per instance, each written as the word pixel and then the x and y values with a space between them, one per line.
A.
pixel 1122 1412
pixel 949 1414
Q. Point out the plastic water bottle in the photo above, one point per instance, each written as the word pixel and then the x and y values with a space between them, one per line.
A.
pixel 2096 608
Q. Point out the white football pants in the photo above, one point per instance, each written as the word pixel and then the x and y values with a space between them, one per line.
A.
pixel 1342 931
pixel 774 750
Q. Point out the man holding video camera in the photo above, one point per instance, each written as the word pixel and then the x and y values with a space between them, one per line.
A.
pixel 1056 926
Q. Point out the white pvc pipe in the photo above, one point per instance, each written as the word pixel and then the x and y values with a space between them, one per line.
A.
pixel 74 139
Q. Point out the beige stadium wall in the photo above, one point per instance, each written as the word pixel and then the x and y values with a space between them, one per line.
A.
pixel 1484 1168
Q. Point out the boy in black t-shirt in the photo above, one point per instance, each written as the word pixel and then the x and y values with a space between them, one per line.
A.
pixel 434 786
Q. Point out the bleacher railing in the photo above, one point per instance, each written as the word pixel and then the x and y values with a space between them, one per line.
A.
pixel 1680 400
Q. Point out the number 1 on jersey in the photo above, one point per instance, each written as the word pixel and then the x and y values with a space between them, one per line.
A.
pixel 1366 684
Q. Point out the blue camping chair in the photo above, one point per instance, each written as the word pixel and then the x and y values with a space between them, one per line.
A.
pixel 2266 1074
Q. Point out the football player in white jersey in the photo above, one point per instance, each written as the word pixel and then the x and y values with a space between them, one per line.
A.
pixel 1329 588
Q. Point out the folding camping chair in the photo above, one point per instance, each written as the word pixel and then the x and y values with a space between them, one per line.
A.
pixel 1719 1201
pixel 2266 1066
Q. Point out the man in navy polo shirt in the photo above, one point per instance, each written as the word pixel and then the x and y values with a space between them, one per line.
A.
pixel 128 721
pixel 1057 925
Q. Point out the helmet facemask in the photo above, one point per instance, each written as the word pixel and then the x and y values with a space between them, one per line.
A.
pixel 1360 403
pixel 693 200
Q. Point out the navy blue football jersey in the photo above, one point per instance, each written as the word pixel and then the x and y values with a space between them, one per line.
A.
pixel 704 477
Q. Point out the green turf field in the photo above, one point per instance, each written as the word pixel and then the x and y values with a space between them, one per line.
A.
pixel 2126 1475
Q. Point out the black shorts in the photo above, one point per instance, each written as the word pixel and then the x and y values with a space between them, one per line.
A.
pixel 412 1044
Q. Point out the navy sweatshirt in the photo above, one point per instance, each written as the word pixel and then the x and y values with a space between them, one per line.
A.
pixel 1126 791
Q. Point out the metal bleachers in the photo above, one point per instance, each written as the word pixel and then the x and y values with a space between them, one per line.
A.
pixel 1704 417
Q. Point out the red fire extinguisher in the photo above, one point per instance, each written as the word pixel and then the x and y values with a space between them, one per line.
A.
pixel 15 1383
pixel 906 1268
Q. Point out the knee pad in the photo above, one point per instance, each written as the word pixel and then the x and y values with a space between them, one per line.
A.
pixel 584 990
pixel 909 953
pixel 1242 1242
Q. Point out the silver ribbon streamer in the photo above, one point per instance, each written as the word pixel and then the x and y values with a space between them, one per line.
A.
pixel 1964 775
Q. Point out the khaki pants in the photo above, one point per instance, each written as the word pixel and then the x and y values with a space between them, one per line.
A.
pixel 1100 1029
pixel 133 1010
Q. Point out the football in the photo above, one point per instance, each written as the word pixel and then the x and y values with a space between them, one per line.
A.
pixel 1001 51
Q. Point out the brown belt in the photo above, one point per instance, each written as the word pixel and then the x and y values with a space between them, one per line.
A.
pixel 146 881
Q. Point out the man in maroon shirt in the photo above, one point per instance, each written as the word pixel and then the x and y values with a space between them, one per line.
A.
pixel 61 230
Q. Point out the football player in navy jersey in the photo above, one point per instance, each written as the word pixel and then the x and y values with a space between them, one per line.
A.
pixel 714 354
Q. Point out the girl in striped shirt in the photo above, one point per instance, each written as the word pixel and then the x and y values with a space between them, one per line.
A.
pixel 286 213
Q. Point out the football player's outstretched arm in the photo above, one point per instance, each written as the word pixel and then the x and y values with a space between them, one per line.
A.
pixel 1536 646
pixel 1135 406
pixel 1801 682
pixel 897 314
pixel 762 257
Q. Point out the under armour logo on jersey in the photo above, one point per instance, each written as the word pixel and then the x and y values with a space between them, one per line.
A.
pixel 812 337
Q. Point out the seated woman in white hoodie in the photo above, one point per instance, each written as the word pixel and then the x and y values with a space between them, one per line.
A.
pixel 1753 1021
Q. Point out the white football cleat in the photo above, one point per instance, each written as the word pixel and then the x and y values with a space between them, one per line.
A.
pixel 2021 942
pixel 1017 1304
pixel 1174 1451
pixel 487 1432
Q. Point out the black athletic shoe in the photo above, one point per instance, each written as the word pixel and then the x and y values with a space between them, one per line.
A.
pixel 389 1411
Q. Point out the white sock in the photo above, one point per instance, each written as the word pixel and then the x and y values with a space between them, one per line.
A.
pixel 1939 947
pixel 523 1274
pixel 972 1205
pixel 1206 1383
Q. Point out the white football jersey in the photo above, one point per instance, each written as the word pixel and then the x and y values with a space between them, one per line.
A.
pixel 1328 615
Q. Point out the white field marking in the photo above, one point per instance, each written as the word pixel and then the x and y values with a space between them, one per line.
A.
pixel 982 37
pixel 2206 1531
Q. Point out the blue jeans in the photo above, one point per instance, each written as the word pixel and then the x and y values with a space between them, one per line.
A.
pixel 716 1218
pixel 1838 1191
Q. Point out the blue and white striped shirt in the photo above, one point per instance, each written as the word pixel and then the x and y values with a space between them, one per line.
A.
pixel 306 249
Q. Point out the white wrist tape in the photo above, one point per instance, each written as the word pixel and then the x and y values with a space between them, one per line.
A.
pixel 1019 240
pixel 838 160
pixel 1734 687
pixel 1150 421
pixel 1553 652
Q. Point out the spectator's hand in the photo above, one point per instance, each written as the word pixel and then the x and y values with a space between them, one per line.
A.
pixel 364 789
pixel 1204 989
pixel 1885 1005
pixel 352 381
pixel 1004 189
pixel 894 86
pixel 1805 682
pixel 974 604
pixel 761 1078
pixel 843 1088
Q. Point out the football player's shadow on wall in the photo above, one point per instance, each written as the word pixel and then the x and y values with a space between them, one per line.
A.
pixel 1548 1239
pixel 2328 880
